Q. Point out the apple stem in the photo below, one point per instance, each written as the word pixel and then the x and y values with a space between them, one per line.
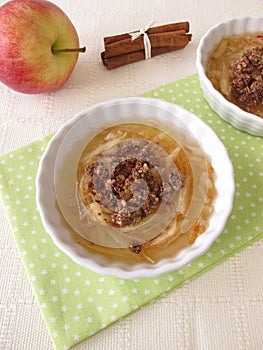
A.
pixel 77 49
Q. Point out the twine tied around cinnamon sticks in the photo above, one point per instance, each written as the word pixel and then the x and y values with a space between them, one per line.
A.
pixel 146 40
pixel 121 49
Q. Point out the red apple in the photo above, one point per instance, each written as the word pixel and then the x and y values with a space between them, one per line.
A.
pixel 39 46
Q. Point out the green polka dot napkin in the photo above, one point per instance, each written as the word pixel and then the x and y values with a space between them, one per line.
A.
pixel 77 303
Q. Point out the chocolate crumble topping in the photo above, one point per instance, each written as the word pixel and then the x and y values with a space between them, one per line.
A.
pixel 135 247
pixel 247 85
pixel 131 178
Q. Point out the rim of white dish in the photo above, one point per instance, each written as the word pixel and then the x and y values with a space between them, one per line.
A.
pixel 88 260
pixel 253 124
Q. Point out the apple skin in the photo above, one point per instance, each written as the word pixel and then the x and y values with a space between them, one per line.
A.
pixel 29 30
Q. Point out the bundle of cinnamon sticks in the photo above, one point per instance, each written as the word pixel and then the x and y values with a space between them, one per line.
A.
pixel 121 50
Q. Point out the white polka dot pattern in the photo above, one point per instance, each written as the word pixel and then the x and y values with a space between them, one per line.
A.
pixel 77 303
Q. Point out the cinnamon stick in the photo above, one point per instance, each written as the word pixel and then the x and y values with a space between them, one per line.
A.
pixel 171 27
pixel 132 57
pixel 121 49
pixel 165 39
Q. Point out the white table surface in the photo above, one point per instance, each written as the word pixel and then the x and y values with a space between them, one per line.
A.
pixel 223 308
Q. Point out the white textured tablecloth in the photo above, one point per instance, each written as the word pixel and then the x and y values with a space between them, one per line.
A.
pixel 223 308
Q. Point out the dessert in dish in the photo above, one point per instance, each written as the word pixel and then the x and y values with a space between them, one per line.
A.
pixel 144 189
pixel 235 68
pixel 57 177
